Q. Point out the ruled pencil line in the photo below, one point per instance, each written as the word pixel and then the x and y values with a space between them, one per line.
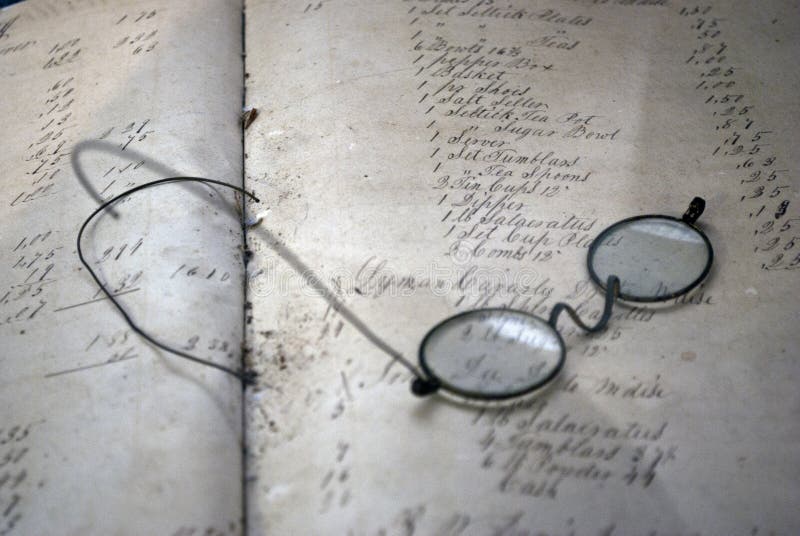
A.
pixel 86 367
pixel 95 300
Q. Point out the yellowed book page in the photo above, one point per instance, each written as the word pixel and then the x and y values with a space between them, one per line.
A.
pixel 422 158
pixel 100 432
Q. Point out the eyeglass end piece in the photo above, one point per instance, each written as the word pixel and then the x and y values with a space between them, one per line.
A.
pixel 696 208
pixel 424 386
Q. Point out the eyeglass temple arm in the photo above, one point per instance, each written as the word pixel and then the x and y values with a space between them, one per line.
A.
pixel 612 291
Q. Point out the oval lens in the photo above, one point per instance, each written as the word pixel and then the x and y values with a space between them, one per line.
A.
pixel 492 353
pixel 655 257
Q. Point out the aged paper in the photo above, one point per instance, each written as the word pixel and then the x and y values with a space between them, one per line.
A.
pixel 100 433
pixel 421 158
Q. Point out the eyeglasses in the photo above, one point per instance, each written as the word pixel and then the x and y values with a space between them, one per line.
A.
pixel 499 354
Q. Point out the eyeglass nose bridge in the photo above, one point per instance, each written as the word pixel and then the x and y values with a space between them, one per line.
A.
pixel 612 292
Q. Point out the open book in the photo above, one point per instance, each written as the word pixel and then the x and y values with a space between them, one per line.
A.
pixel 413 159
